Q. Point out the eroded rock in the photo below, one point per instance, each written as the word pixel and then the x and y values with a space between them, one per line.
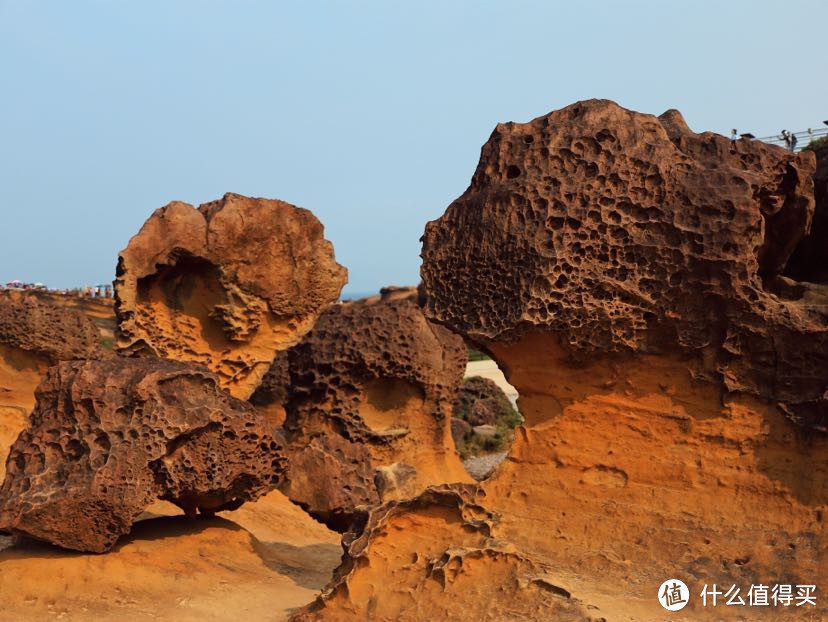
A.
pixel 226 285
pixel 261 562
pixel 392 556
pixel 624 232
pixel 106 438
pixel 33 336
pixel 628 276
pixel 368 407
pixel 809 261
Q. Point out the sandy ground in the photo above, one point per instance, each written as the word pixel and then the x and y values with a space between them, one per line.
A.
pixel 260 562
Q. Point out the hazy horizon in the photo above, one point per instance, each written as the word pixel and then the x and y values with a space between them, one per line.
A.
pixel 369 114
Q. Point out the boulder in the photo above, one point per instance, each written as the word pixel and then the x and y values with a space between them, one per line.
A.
pixel 107 438
pixel 368 407
pixel 485 431
pixel 226 285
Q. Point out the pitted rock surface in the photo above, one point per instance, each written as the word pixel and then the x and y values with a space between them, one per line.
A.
pixel 33 336
pixel 107 438
pixel 226 285
pixel 626 232
pixel 47 331
pixel 629 278
pixel 397 565
pixel 371 389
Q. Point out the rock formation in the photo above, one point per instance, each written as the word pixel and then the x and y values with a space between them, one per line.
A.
pixel 809 261
pixel 47 331
pixel 628 276
pixel 107 438
pixel 421 580
pixel 368 407
pixel 226 285
pixel 481 402
pixel 621 232
pixel 33 336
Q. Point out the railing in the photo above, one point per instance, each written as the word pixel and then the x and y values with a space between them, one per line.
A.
pixel 803 138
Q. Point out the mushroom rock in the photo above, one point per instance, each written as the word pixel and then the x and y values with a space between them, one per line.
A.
pixel 33 336
pixel 628 276
pixel 107 438
pixel 368 408
pixel 620 232
pixel 226 285
pixel 265 559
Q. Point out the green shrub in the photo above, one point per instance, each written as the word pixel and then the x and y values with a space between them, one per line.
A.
pixel 816 143
pixel 477 355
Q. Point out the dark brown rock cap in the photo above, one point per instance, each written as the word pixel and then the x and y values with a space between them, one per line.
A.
pixel 624 232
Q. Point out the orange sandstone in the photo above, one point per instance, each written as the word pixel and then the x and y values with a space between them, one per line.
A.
pixel 226 285
pixel 630 278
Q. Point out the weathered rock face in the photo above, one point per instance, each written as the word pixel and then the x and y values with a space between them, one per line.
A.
pixel 265 559
pixel 33 336
pixel 377 577
pixel 624 232
pixel 107 438
pixel 368 408
pixel 625 274
pixel 809 261
pixel 226 285
pixel 47 331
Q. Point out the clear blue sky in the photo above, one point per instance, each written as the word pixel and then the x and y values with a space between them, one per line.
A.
pixel 371 114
